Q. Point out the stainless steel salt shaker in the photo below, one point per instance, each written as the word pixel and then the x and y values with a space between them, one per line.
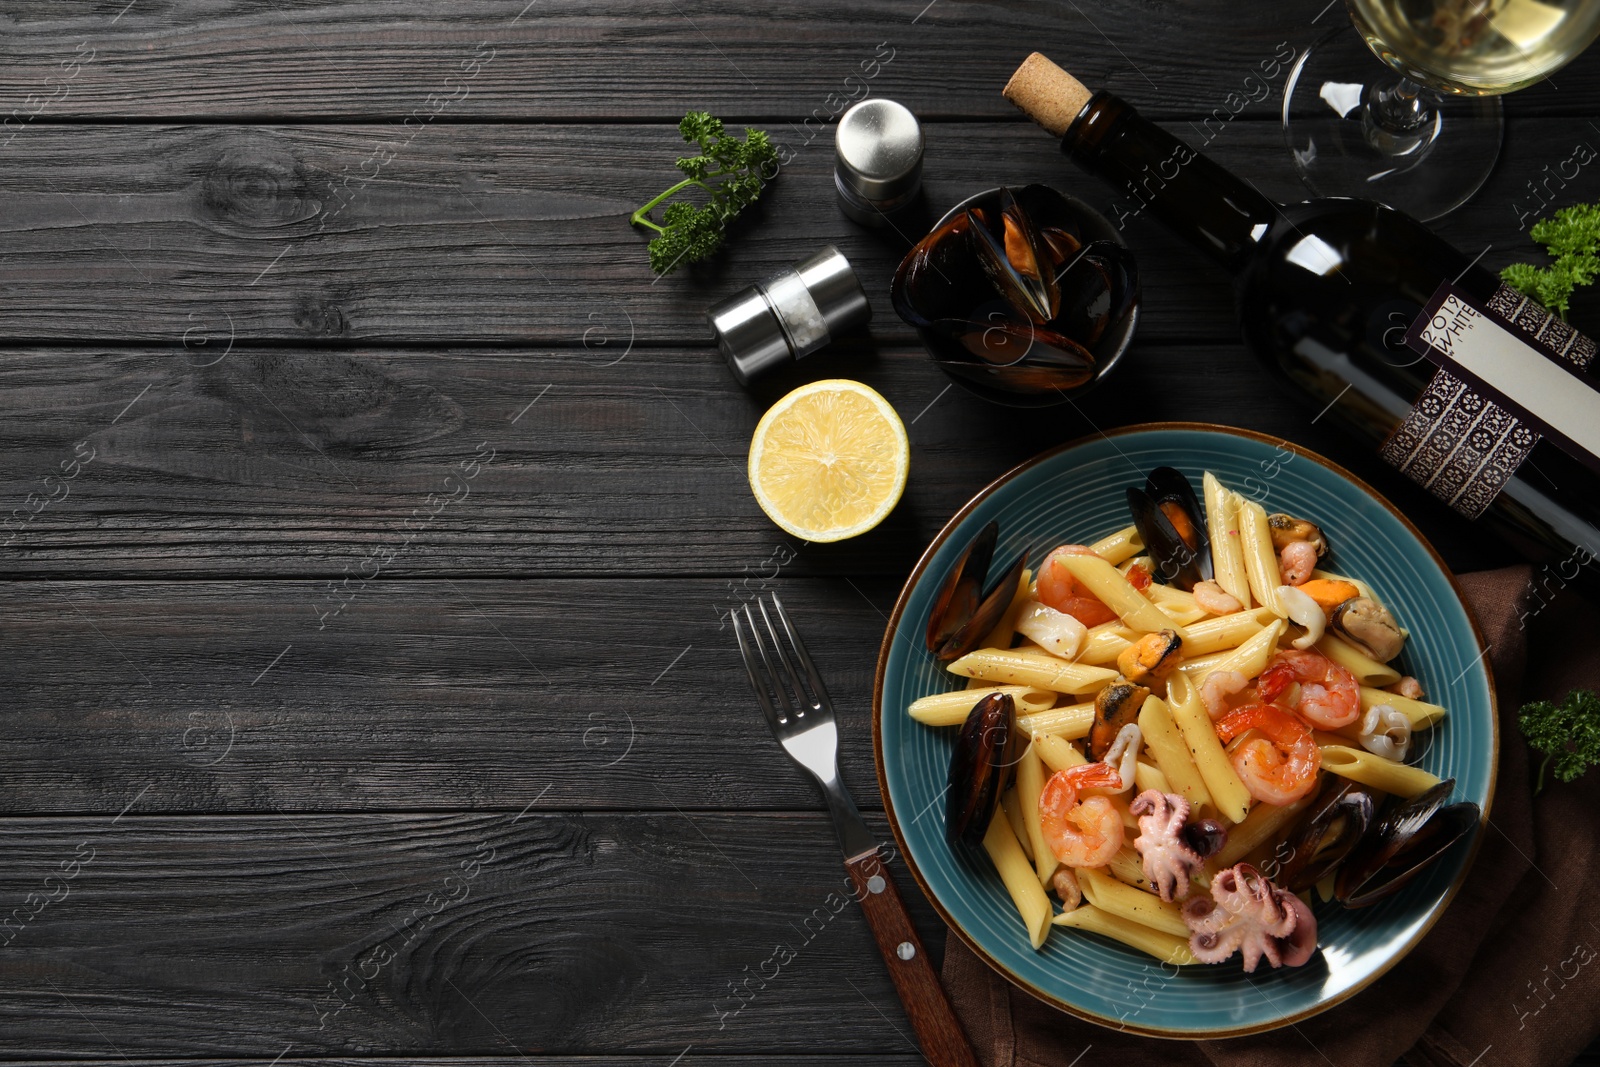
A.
pixel 878 160
pixel 789 315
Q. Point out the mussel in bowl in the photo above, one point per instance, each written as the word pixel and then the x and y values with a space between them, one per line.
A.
pixel 966 609
pixel 1173 528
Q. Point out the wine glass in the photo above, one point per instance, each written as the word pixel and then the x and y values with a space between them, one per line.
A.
pixel 1422 135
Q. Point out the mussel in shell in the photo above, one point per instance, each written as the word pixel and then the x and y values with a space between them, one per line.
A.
pixel 1368 625
pixel 1116 706
pixel 1408 836
pixel 978 769
pixel 1173 528
pixel 1286 529
pixel 1327 833
pixel 965 610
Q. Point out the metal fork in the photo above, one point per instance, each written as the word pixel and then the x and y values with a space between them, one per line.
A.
pixel 800 715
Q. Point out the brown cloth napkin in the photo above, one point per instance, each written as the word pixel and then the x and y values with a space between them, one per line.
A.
pixel 1508 976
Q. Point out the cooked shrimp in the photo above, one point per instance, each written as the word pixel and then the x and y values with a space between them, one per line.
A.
pixel 1329 697
pixel 1065 883
pixel 1297 560
pixel 1217 688
pixel 1406 687
pixel 1213 598
pixel 1279 767
pixel 1057 588
pixel 1084 832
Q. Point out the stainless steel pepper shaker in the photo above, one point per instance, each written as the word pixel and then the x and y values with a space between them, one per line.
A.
pixel 790 315
pixel 878 160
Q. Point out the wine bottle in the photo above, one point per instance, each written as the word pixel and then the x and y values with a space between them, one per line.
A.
pixel 1471 390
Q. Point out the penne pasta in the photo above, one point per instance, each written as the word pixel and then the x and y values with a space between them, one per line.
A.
pixel 952 708
pixel 1128 868
pixel 1019 877
pixel 1071 722
pixel 1228 794
pixel 1149 776
pixel 1031 667
pixel 1420 712
pixel 1172 596
pixel 1057 753
pixel 1013 809
pixel 1030 783
pixel 1260 561
pixel 1227 548
pixel 1054 670
pixel 1249 659
pixel 1120 546
pixel 1359 765
pixel 1165 744
pixel 1005 629
pixel 1222 632
pixel 1367 670
pixel 1112 589
pixel 1181 615
pixel 1158 943
pixel 1135 905
pixel 1264 823
pixel 1104 643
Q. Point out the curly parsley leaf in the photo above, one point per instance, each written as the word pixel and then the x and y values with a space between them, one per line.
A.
pixel 1572 238
pixel 1567 733
pixel 731 171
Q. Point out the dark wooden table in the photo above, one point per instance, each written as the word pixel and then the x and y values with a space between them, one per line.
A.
pixel 336 774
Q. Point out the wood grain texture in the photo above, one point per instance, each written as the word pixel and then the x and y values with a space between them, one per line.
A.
pixel 475 935
pixel 312 463
pixel 226 697
pixel 189 237
pixel 564 59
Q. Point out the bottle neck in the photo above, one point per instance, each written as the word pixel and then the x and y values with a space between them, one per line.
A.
pixel 1218 213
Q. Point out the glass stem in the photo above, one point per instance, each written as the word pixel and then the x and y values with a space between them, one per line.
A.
pixel 1400 117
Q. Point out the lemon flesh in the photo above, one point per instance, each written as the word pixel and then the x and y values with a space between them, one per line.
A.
pixel 829 460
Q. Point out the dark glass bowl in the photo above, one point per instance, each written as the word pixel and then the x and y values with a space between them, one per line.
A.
pixel 1041 375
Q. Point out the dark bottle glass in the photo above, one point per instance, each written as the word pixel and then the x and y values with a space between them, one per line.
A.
pixel 1326 291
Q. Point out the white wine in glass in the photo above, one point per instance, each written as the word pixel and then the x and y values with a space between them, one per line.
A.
pixel 1422 135
pixel 1476 47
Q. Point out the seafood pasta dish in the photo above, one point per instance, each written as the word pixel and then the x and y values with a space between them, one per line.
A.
pixel 1183 735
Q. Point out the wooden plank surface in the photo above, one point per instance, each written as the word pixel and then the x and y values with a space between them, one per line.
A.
pixel 349 463
pixel 190 237
pixel 285 270
pixel 556 933
pixel 564 59
pixel 235 697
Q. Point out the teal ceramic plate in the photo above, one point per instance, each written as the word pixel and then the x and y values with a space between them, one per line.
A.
pixel 1075 494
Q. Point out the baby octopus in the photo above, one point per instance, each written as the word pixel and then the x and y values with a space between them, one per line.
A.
pixel 1168 860
pixel 1250 915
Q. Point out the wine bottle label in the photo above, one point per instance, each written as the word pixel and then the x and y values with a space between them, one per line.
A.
pixel 1509 373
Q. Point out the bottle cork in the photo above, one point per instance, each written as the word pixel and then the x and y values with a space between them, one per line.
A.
pixel 1047 94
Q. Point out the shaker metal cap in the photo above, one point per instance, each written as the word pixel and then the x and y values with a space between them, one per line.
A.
pixel 879 149
pixel 789 315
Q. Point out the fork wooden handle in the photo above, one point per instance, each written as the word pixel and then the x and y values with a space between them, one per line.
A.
pixel 939 1033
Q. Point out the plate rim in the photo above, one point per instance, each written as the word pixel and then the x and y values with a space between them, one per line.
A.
pixel 1028 987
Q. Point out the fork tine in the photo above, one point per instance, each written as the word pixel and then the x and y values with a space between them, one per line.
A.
pixel 753 671
pixel 786 710
pixel 802 698
pixel 804 657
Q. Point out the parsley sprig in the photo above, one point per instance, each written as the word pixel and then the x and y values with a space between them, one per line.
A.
pixel 1567 733
pixel 1572 237
pixel 731 171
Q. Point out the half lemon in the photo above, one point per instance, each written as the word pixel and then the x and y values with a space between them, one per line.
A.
pixel 829 460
